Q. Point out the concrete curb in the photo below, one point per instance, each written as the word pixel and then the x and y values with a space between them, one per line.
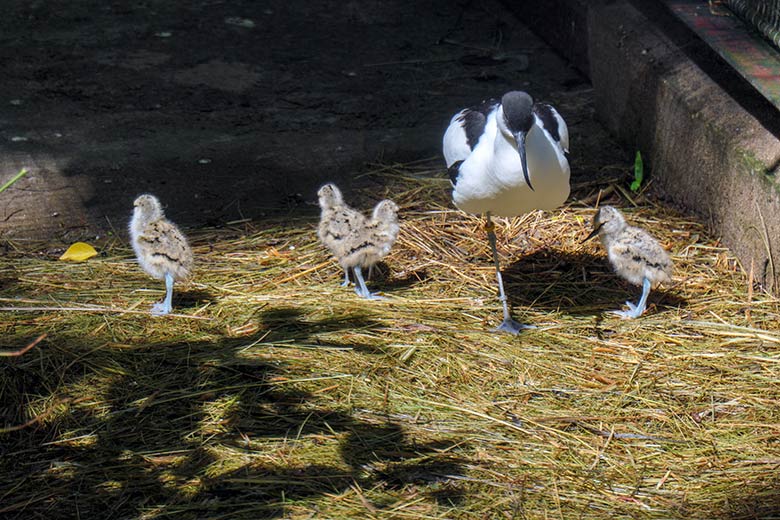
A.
pixel 708 154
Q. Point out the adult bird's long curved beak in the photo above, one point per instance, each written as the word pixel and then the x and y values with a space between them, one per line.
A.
pixel 520 139
pixel 592 234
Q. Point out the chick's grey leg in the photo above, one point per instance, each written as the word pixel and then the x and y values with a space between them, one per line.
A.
pixel 360 288
pixel 160 309
pixel 636 311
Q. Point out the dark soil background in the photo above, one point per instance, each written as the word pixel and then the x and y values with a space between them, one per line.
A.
pixel 239 109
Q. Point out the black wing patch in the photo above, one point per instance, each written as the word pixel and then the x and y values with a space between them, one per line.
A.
pixel 474 119
pixel 545 112
pixel 453 172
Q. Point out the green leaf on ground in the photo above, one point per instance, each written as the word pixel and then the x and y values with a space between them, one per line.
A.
pixel 638 173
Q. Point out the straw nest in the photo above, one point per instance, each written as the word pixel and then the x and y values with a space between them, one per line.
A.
pixel 272 391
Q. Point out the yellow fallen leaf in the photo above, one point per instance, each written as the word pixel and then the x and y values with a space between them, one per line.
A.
pixel 79 252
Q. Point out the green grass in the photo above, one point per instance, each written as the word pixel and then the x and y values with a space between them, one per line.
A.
pixel 274 392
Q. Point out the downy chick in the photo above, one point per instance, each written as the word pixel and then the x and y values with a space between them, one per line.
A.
pixel 337 223
pixel 355 241
pixel 372 242
pixel 634 254
pixel 160 247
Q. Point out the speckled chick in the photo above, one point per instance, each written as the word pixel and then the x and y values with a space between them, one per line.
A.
pixel 368 244
pixel 634 254
pixel 338 223
pixel 160 247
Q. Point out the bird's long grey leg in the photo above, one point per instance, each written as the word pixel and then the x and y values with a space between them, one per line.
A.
pixel 637 310
pixel 345 283
pixel 360 288
pixel 165 307
pixel 509 324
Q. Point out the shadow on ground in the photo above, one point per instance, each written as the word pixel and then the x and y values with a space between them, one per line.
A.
pixel 580 284
pixel 764 504
pixel 197 429
pixel 382 281
pixel 191 298
pixel 290 325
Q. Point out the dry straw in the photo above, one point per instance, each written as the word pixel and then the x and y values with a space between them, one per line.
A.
pixel 273 392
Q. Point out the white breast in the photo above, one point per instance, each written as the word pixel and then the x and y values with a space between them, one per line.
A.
pixel 491 177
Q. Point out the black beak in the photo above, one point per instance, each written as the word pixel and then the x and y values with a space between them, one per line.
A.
pixel 592 234
pixel 520 138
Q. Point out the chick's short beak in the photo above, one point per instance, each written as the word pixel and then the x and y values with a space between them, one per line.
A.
pixel 592 233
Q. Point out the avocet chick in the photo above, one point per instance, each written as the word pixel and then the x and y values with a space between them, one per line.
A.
pixel 370 243
pixel 337 223
pixel 160 247
pixel 355 241
pixel 633 253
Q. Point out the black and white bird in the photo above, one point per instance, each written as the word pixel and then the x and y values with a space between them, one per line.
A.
pixel 161 248
pixel 634 254
pixel 506 158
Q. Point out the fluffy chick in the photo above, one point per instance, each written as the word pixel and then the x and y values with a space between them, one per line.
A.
pixel 634 254
pixel 355 241
pixel 372 242
pixel 338 222
pixel 160 247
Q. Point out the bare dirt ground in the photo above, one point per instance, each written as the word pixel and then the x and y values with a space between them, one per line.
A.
pixel 233 110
